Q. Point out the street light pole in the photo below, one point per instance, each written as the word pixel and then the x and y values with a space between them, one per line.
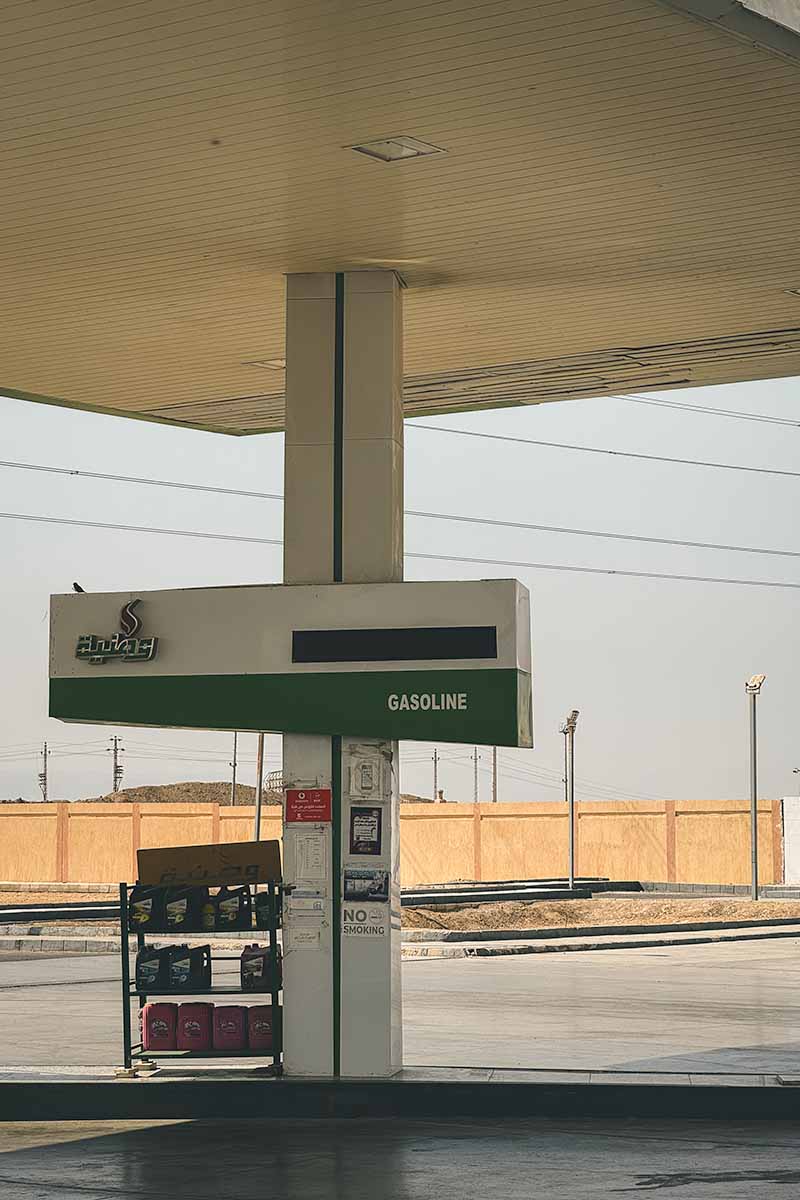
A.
pixel 568 729
pixel 233 776
pixel 752 687
pixel 259 786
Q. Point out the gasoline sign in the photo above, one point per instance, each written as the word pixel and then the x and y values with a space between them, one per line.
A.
pixel 425 661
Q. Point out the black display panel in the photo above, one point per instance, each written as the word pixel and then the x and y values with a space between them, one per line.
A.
pixel 393 645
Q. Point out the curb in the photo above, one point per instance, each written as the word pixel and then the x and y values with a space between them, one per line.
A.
pixel 96 945
pixel 440 951
pixel 574 931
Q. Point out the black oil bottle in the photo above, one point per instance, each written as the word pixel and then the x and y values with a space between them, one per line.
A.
pixel 145 908
pixel 234 908
pixel 189 968
pixel 183 908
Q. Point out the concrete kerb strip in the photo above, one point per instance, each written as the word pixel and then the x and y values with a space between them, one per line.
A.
pixel 442 950
pixel 104 889
pixel 479 944
pixel 21 941
pixel 574 931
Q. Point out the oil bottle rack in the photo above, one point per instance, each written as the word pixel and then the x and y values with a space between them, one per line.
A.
pixel 134 1052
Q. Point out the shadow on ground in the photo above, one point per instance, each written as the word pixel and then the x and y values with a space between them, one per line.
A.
pixel 396 1160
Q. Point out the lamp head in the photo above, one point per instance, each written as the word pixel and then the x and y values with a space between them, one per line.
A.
pixel 571 722
pixel 753 684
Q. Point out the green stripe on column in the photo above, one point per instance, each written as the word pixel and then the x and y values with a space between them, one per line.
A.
pixel 336 741
pixel 338 424
pixel 336 836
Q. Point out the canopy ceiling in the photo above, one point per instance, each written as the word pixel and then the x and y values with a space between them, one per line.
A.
pixel 616 209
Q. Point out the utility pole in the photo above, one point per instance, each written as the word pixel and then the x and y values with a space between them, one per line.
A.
pixel 233 764
pixel 259 785
pixel 494 774
pixel 752 687
pixel 435 774
pixel 475 774
pixel 568 730
pixel 43 772
pixel 118 770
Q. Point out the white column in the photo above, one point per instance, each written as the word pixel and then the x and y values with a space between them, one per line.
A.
pixel 343 523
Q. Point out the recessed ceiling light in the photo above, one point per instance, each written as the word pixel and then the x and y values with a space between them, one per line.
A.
pixel 397 148
pixel 793 291
pixel 272 364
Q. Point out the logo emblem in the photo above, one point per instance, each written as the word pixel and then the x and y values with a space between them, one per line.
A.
pixel 125 645
pixel 129 623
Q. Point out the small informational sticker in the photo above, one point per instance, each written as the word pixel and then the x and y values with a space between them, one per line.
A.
pixel 366 884
pixel 302 939
pixel 305 904
pixel 364 921
pixel 308 804
pixel 311 858
pixel 365 830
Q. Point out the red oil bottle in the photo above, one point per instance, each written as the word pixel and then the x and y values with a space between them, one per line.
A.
pixel 159 1026
pixel 194 1026
pixel 230 1027
pixel 261 1026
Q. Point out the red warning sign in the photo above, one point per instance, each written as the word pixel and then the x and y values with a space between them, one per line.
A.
pixel 308 804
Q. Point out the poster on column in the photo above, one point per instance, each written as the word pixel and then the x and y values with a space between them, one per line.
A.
pixel 366 883
pixel 365 829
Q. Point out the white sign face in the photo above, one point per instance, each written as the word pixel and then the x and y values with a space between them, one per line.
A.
pixel 275 628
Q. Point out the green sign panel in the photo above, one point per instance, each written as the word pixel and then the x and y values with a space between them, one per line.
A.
pixel 490 707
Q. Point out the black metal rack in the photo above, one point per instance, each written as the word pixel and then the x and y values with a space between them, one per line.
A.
pixel 134 1051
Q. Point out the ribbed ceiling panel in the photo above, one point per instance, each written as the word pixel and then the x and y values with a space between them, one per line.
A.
pixel 617 175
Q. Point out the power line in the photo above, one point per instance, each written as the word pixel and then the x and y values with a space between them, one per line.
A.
pixel 663 458
pixel 170 483
pixel 412 512
pixel 620 537
pixel 507 562
pixel 220 537
pixel 708 411
pixel 494 562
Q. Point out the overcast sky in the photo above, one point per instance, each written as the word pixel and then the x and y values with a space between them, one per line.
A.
pixel 656 667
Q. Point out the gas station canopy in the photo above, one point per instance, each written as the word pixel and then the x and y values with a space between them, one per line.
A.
pixel 583 198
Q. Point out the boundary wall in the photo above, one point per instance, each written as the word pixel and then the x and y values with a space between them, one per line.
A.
pixel 677 841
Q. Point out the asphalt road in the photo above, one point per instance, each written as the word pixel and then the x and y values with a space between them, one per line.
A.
pixel 690 1008
pixel 398 1160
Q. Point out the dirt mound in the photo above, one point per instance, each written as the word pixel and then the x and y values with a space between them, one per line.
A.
pixel 546 914
pixel 184 793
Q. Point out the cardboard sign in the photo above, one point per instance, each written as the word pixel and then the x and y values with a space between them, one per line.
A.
pixel 308 804
pixel 228 862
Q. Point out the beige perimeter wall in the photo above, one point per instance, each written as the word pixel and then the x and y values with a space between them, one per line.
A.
pixel 675 840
